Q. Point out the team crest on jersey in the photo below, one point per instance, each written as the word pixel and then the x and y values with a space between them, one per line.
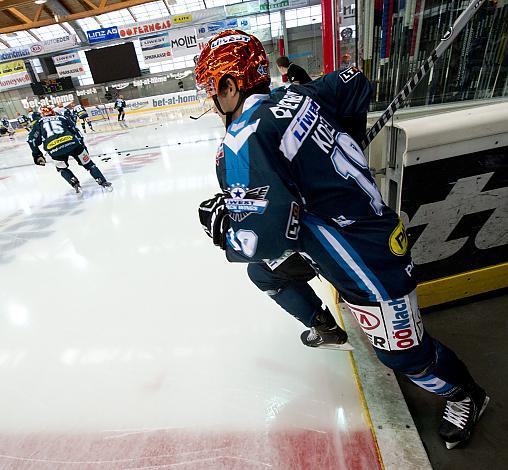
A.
pixel 244 201
pixel 349 74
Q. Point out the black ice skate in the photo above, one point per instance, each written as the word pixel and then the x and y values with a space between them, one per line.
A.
pixel 460 417
pixel 77 187
pixel 326 334
pixel 106 185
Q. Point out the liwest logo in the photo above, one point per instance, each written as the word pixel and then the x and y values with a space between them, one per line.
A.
pixel 229 39
pixel 299 128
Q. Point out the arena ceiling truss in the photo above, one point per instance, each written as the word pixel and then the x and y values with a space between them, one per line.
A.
pixel 19 15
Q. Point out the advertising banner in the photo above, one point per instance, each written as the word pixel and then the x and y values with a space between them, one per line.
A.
pixel 37 48
pixel 271 5
pixel 103 34
pixel 13 74
pixel 144 28
pixel 68 65
pixel 156 48
pixel 185 18
pixel 209 29
pixel 184 41
pixel 459 223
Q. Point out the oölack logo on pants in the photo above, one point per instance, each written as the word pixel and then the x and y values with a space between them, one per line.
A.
pixel 403 322
pixel 393 325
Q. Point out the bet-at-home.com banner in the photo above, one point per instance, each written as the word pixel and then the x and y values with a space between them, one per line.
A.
pixel 68 65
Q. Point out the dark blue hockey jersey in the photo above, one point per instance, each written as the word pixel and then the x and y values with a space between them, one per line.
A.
pixel 287 155
pixel 57 134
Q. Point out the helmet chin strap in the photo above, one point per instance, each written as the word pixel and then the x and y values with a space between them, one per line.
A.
pixel 229 114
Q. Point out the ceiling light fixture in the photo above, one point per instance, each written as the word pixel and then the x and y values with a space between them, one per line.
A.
pixel 40 2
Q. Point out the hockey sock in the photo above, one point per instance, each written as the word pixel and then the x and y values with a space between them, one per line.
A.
pixel 447 376
pixel 95 172
pixel 68 176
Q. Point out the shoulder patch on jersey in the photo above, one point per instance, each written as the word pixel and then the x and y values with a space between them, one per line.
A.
pixel 236 142
pixel 349 74
pixel 244 201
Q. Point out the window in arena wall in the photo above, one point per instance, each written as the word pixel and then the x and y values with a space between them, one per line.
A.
pixel 149 11
pixel 115 18
pixel 184 6
pixel 19 38
pixel 88 24
pixel 50 32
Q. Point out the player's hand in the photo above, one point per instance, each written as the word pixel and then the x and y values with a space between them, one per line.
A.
pixel 40 160
pixel 214 218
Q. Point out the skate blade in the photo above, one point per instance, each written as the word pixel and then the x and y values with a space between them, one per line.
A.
pixel 337 347
pixel 108 189
pixel 451 445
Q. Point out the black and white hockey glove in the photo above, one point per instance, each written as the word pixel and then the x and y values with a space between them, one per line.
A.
pixel 39 159
pixel 214 218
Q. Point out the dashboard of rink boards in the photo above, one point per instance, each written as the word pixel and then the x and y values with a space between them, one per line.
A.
pixel 451 175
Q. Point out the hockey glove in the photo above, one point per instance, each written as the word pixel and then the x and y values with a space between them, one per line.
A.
pixel 39 159
pixel 214 218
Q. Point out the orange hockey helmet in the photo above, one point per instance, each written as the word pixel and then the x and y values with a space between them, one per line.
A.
pixel 232 52
pixel 47 111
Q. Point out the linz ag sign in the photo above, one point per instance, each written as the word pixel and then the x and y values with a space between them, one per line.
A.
pixel 103 34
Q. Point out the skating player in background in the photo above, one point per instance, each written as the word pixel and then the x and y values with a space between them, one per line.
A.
pixel 61 110
pixel 33 116
pixel 6 128
pixel 61 140
pixel 293 180
pixel 120 107
pixel 23 121
pixel 79 112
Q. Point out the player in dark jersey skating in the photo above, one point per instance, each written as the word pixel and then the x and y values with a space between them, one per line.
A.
pixel 120 107
pixel 61 140
pixel 79 112
pixel 294 180
pixel 23 121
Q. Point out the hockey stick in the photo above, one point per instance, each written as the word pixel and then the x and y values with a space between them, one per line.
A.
pixel 445 42
pixel 201 115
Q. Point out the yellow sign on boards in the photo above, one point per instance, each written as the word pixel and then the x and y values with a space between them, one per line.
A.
pixel 187 18
pixel 15 66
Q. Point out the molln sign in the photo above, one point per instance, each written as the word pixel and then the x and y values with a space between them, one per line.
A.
pixel 184 41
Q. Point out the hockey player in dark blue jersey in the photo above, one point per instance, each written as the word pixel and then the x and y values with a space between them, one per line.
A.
pixel 33 117
pixel 61 140
pixel 79 112
pixel 294 180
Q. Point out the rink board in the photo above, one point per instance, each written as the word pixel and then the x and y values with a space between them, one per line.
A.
pixel 453 193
